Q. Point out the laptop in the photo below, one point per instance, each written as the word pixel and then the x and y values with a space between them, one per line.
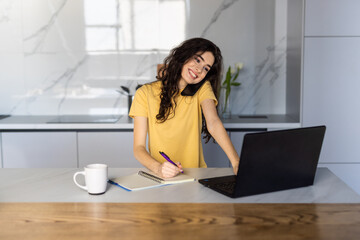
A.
pixel 273 161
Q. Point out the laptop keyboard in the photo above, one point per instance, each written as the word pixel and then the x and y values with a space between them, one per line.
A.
pixel 226 186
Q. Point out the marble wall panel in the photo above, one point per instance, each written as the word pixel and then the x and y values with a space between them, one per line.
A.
pixel 66 59
pixel 11 26
pixel 12 84
pixel 53 26
pixel 102 69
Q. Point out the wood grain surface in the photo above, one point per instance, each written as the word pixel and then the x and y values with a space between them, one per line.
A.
pixel 178 221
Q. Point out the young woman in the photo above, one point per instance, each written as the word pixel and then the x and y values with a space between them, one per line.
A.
pixel 171 110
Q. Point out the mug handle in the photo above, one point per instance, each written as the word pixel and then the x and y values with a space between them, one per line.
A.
pixel 80 186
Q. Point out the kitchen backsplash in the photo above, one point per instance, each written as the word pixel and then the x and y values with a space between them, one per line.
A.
pixel 71 57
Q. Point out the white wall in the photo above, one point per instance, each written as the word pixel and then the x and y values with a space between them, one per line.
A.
pixel 331 83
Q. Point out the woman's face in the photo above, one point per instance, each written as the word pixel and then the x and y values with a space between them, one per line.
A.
pixel 196 68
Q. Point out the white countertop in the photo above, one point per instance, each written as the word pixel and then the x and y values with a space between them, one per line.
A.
pixel 123 122
pixel 56 185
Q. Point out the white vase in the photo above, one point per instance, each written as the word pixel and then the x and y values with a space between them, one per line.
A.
pixel 224 105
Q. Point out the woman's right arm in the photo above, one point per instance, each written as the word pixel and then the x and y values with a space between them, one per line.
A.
pixel 165 169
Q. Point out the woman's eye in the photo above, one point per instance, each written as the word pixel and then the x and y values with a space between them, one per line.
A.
pixel 206 69
pixel 197 60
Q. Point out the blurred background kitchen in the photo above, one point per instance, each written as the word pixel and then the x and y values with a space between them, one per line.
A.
pixel 63 57
pixel 60 58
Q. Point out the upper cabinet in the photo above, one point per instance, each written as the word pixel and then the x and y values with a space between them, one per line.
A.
pixel 332 18
pixel 331 95
pixel 331 76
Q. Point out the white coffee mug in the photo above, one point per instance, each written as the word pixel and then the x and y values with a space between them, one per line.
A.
pixel 96 178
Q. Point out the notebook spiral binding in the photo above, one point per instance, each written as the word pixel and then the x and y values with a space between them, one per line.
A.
pixel 149 176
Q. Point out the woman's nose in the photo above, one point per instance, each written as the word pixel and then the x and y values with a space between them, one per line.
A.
pixel 198 68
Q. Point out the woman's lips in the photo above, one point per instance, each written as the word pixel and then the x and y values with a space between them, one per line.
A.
pixel 192 74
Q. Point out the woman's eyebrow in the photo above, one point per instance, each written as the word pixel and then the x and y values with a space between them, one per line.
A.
pixel 203 60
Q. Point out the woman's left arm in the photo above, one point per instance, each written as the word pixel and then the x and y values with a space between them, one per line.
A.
pixel 218 132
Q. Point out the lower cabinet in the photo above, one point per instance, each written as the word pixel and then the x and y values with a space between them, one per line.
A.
pixel 78 149
pixel 39 149
pixel 237 139
pixel 1 160
pixel 112 148
pixel 216 157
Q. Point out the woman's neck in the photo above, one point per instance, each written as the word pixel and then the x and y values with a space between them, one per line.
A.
pixel 182 84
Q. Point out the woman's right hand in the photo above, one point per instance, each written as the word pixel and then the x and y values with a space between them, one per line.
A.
pixel 168 170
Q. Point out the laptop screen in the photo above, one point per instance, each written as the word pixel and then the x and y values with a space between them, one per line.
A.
pixel 277 160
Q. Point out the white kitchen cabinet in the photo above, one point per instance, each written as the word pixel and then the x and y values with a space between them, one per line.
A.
pixel 1 160
pixel 214 155
pixel 331 95
pixel 332 18
pixel 331 83
pixel 237 139
pixel 112 148
pixel 39 149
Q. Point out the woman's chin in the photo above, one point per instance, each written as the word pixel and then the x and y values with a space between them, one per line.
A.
pixel 193 82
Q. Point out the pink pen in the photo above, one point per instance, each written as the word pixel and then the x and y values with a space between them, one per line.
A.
pixel 169 160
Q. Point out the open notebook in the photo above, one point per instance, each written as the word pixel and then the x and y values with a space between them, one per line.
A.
pixel 145 180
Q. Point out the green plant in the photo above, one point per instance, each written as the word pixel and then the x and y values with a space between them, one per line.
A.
pixel 230 80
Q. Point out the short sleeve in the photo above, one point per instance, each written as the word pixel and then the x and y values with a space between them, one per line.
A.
pixel 139 104
pixel 206 92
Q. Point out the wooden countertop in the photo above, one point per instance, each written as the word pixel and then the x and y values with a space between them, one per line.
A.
pixel 178 221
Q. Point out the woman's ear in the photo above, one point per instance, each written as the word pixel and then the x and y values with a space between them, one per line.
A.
pixel 191 89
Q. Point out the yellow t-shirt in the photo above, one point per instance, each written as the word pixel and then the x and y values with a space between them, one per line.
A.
pixel 180 135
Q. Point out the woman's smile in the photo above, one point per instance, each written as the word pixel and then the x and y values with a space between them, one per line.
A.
pixel 192 74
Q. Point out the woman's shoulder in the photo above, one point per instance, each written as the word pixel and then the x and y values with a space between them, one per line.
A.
pixel 206 86
pixel 206 92
pixel 153 87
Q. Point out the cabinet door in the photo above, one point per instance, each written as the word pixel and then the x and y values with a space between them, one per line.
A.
pixel 332 18
pixel 1 160
pixel 331 95
pixel 39 149
pixel 112 148
pixel 214 155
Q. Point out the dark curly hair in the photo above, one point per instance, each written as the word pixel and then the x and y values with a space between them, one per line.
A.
pixel 170 74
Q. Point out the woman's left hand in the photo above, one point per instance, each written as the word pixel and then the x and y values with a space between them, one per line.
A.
pixel 236 167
